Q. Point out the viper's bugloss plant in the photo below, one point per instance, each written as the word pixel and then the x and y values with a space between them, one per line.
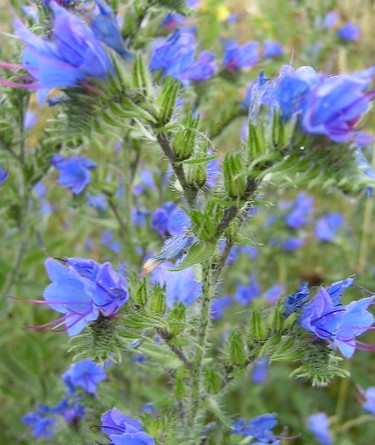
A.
pixel 192 198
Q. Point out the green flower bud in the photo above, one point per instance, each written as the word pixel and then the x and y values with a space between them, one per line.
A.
pixel 234 180
pixel 237 355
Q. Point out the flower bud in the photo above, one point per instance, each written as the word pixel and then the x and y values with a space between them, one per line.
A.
pixel 234 180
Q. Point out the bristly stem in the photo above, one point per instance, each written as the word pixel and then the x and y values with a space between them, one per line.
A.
pixel 200 349
pixel 166 336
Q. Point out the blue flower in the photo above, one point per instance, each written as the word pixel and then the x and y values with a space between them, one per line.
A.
pixel 327 227
pixel 296 301
pixel 42 426
pixel 369 404
pixel 337 324
pixel 175 57
pixel 82 290
pixel 123 430
pixel 318 425
pixel 105 28
pixel 334 107
pixel 74 171
pixel 272 49
pixel 349 32
pixel 72 56
pixel 259 428
pixel 171 20
pixel 170 220
pixel 336 289
pixel 181 286
pixel 3 175
pixel 236 56
pixel 84 374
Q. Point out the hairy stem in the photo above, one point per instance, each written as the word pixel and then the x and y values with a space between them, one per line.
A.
pixel 200 350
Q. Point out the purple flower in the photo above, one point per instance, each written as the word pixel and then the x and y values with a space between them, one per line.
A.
pixel 3 175
pixel 171 21
pixel 123 430
pixel 175 57
pixel 74 54
pixel 369 404
pixel 318 425
pixel 74 171
pixel 236 56
pixel 105 28
pixel 330 20
pixel 272 49
pixel 349 32
pixel 42 426
pixel 337 324
pixel 327 227
pixel 181 286
pixel 84 374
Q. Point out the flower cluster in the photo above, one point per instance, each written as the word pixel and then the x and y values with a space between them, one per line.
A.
pixel 82 290
pixel 176 57
pixel 84 374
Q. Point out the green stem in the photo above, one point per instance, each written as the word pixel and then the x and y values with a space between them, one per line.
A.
pixel 355 422
pixel 200 350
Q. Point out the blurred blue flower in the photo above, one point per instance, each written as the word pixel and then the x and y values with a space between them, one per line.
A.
pixel 365 167
pixel 245 294
pixel 330 19
pixel 259 371
pixel 29 120
pixel 74 171
pixel 259 428
pixel 42 426
pixel 369 404
pixel 123 430
pixel 181 286
pixel 3 175
pixel 338 324
pixel 219 305
pixel 84 374
pixel 300 209
pixel 274 293
pixel 105 28
pixel 296 301
pixel 175 56
pixel 172 20
pixel 319 426
pixel 170 220
pixel 236 56
pixel 349 32
pixel 292 243
pixel 107 239
pixel 73 55
pixel 272 49
pixel 99 202
pixel 327 227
